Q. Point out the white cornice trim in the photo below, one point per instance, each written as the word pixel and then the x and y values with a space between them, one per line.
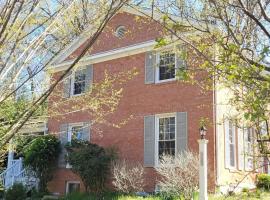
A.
pixel 107 55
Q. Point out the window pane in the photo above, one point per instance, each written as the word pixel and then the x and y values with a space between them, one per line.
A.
pixel 161 134
pixel 77 132
pixel 79 82
pixel 232 155
pixel 73 187
pixel 79 87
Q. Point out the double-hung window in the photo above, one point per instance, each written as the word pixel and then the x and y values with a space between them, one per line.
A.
pixel 75 132
pixel 166 133
pixel 249 149
pixel 79 82
pixel 232 144
pixel 166 66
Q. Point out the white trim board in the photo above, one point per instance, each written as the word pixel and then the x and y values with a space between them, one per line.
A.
pixel 107 55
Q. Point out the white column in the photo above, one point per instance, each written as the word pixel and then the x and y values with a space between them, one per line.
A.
pixel 203 169
pixel 10 153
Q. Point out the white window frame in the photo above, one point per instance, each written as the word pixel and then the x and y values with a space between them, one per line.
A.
pixel 157 117
pixel 70 126
pixel 227 146
pixel 72 82
pixel 71 182
pixel 158 61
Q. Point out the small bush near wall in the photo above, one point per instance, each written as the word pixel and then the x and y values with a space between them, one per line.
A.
pixel 16 192
pixel 128 177
pixel 41 157
pixel 92 163
pixel 179 175
pixel 263 181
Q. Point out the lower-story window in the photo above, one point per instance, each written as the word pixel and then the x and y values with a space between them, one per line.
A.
pixel 166 135
pixel 230 147
pixel 72 186
pixel 75 132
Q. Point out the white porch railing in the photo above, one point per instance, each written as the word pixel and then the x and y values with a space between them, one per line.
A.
pixel 17 174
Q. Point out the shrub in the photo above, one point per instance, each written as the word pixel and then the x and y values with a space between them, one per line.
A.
pixel 92 163
pixel 128 177
pixel 263 181
pixel 2 191
pixel 179 175
pixel 16 192
pixel 41 157
pixel 245 190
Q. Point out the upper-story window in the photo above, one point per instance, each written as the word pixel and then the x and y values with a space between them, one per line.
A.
pixel 79 82
pixel 166 66
pixel 166 135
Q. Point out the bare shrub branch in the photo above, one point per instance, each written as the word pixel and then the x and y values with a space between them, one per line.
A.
pixel 128 177
pixel 179 175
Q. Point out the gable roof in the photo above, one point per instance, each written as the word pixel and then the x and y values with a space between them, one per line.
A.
pixel 61 61
pixel 80 40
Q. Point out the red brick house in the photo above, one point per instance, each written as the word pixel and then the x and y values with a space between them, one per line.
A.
pixel 166 112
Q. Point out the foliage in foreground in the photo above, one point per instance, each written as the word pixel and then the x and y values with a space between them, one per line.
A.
pixel 107 196
pixel 179 175
pixel 16 192
pixel 263 181
pixel 41 157
pixel 118 196
pixel 92 163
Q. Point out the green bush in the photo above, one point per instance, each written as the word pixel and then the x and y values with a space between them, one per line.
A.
pixel 263 181
pixel 16 192
pixel 41 156
pixel 2 191
pixel 92 163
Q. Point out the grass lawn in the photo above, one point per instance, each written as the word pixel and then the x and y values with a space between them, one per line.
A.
pixel 244 196
pixel 111 196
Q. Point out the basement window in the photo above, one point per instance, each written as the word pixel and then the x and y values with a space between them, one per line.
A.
pixel 72 186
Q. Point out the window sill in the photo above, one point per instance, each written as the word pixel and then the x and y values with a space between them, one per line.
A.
pixel 232 169
pixel 68 166
pixel 250 170
pixel 165 81
pixel 77 95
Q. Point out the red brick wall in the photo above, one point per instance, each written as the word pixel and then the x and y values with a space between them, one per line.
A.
pixel 139 100
pixel 139 30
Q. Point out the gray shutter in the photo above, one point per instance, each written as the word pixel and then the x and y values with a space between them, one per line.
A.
pixel 63 137
pixel 67 85
pixel 86 131
pixel 181 135
pixel 89 77
pixel 149 141
pixel 150 65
